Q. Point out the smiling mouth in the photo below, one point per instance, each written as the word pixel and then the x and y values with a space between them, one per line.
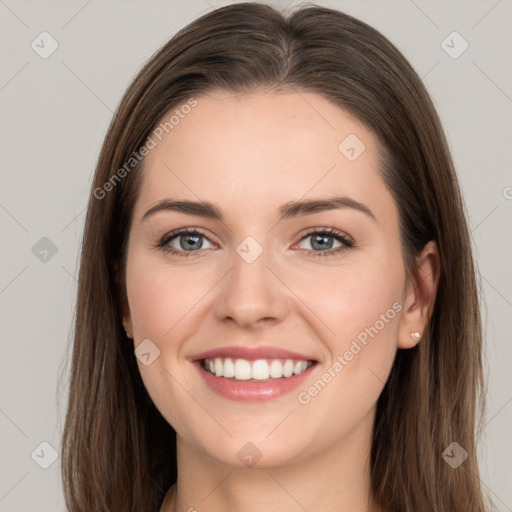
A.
pixel 254 370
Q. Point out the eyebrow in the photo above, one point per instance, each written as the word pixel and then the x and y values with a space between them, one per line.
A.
pixel 286 211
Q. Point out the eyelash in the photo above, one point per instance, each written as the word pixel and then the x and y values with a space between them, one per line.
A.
pixel 334 233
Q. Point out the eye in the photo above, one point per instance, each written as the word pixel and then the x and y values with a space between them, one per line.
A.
pixel 186 241
pixel 183 242
pixel 322 241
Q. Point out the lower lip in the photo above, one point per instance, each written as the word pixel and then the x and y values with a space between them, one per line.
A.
pixel 253 391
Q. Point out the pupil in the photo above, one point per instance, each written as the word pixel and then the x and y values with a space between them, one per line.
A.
pixel 191 237
pixel 322 241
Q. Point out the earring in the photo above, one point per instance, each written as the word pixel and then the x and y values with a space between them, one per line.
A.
pixel 416 335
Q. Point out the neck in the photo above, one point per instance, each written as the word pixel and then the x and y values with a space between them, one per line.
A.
pixel 335 480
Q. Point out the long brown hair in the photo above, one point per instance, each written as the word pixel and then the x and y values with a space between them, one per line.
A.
pixel 118 452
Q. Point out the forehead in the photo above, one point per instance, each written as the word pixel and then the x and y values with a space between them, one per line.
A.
pixel 251 150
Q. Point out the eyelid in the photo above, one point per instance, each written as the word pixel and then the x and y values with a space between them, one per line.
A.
pixel 328 231
pixel 165 239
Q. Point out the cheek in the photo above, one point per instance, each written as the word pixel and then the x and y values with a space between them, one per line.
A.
pixel 354 300
pixel 367 315
pixel 161 300
pixel 363 312
pixel 357 309
pixel 160 296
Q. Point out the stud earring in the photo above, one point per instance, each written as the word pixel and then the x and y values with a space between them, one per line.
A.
pixel 416 335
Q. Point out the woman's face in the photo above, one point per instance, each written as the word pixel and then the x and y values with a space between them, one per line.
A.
pixel 252 283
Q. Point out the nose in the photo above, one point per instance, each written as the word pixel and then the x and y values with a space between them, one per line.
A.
pixel 253 294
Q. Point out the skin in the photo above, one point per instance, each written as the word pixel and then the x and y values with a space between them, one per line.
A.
pixel 249 154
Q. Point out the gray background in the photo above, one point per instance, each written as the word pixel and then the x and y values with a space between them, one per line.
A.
pixel 55 113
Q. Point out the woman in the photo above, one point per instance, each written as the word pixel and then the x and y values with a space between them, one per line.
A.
pixel 218 362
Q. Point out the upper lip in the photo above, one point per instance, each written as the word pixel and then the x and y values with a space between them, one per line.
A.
pixel 251 353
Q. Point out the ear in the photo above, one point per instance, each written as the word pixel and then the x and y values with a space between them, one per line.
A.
pixel 125 308
pixel 420 297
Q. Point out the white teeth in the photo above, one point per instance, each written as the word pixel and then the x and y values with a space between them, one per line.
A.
pixel 261 369
pixel 276 369
pixel 299 367
pixel 229 368
pixel 218 367
pixel 242 369
pixel 288 368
